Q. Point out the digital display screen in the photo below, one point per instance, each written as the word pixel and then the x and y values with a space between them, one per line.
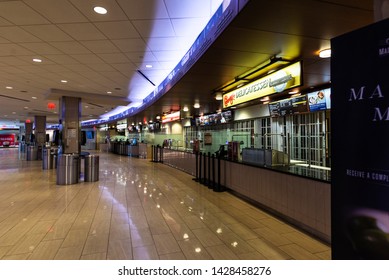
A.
pixel 212 119
pixel 319 100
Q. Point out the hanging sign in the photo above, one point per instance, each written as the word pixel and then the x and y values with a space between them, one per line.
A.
pixel 283 79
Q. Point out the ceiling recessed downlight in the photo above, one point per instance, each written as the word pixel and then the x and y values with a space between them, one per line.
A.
pixel 8 87
pixel 326 53
pixel 37 60
pixel 196 105
pixel 149 66
pixel 64 81
pixel 100 10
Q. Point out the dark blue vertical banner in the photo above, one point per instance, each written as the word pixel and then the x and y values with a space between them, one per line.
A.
pixel 360 143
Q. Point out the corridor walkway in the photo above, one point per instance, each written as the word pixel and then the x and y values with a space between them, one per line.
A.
pixel 137 210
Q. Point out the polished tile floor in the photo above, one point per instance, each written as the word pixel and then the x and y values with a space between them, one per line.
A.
pixel 137 210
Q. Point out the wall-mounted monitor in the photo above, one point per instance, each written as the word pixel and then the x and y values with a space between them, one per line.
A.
pixel 212 119
pixel 319 100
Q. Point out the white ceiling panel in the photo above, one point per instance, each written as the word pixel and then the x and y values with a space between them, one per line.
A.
pixel 125 68
pixel 19 13
pixel 41 48
pixel 3 41
pixel 131 45
pixel 188 9
pixel 57 11
pixel 187 26
pixel 77 68
pixel 13 49
pixel 114 58
pixel 101 67
pixel 14 61
pixel 87 58
pixel 48 33
pixel 71 47
pixel 118 29
pixel 167 55
pixel 164 44
pixel 145 9
pixel 33 69
pixel 154 28
pixel 4 22
pixel 101 46
pixel 17 35
pixel 82 31
pixel 137 57
pixel 54 68
pixel 114 13
pixel 62 59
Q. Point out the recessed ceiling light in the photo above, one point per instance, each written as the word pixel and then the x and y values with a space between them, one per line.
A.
pixel 64 81
pixel 149 66
pixel 14 113
pixel 34 97
pixel 100 10
pixel 185 109
pixel 8 87
pixel 196 105
pixel 26 107
pixel 109 92
pixel 326 53
pixel 86 106
pixel 37 60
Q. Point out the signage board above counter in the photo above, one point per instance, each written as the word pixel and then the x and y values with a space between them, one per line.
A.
pixel 171 117
pixel 278 81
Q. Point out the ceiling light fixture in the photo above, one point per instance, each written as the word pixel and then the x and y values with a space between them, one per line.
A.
pixel 100 10
pixel 109 92
pixel 37 60
pixel 326 53
pixel 219 96
pixel 185 109
pixel 34 97
pixel 196 105
pixel 64 81
pixel 8 87
pixel 149 66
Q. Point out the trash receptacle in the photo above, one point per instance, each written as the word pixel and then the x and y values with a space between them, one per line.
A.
pixel 68 169
pixel 47 158
pixel 91 171
pixel 32 153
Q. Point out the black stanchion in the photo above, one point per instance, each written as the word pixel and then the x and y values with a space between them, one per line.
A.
pixel 197 167
pixel 200 178
pixel 218 187
pixel 205 169
pixel 209 182
pixel 161 154
pixel 213 172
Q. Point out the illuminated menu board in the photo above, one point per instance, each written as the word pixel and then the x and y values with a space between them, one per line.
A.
pixel 289 106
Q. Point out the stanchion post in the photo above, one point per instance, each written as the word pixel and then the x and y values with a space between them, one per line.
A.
pixel 205 168
pixel 218 187
pixel 212 185
pixel 200 178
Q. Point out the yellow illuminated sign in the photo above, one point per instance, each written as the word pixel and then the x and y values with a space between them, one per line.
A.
pixel 278 81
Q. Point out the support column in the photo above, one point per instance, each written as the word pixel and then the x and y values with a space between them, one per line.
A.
pixel 40 130
pixel 28 134
pixel 70 115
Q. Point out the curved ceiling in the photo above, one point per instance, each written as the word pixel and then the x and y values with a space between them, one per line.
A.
pixel 97 56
